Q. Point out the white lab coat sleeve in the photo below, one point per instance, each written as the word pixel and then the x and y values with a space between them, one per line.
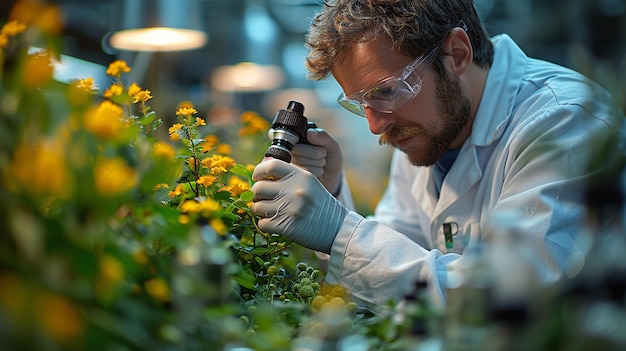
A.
pixel 378 259
pixel 377 264
pixel 550 164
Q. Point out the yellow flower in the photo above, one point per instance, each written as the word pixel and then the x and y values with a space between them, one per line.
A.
pixel 81 90
pixel 158 289
pixel 236 186
pixel 253 124
pixel 111 274
pixel 224 149
pixel 140 256
pixel 205 207
pixel 183 219
pixel 177 191
pixel 4 41
pixel 38 70
pixel 218 161
pixel 191 162
pixel 206 180
pixel 247 116
pixel 60 318
pixel 40 170
pixel 209 142
pixel 111 269
pixel 218 164
pixel 114 176
pixel 114 90
pixel 200 121
pixel 117 67
pixel 142 96
pixel 160 186
pixel 133 89
pixel 186 111
pixel 218 225
pixel 218 171
pixel 187 104
pixel 13 28
pixel 105 121
pixel 163 150
pixel 46 18
pixel 173 131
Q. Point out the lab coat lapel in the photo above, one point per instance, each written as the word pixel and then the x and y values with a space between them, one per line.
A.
pixel 463 175
pixel 491 120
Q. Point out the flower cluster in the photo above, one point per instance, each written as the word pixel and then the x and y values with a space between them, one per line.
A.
pixel 10 29
pixel 211 186
pixel 136 241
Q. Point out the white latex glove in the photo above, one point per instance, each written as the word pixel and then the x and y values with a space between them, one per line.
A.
pixel 322 158
pixel 292 202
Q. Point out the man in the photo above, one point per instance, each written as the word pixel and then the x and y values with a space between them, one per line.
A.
pixel 481 131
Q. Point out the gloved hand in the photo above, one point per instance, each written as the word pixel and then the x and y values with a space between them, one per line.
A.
pixel 292 202
pixel 322 158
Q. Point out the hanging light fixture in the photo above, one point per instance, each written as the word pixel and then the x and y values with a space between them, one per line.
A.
pixel 247 77
pixel 159 25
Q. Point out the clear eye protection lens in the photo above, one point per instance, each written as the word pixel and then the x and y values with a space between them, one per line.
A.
pixel 391 93
pixel 386 91
pixel 352 106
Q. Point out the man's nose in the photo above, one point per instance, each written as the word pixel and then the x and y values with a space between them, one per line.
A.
pixel 379 122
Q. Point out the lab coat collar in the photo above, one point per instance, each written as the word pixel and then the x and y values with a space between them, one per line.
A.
pixel 503 81
pixel 492 117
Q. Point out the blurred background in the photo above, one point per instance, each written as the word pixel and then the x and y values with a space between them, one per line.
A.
pixel 250 56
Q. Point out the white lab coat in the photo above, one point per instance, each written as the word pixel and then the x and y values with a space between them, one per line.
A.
pixel 536 129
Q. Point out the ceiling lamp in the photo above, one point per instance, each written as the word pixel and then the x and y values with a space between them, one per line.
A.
pixel 161 25
pixel 247 77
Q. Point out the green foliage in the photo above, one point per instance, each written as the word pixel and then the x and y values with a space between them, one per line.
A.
pixel 114 239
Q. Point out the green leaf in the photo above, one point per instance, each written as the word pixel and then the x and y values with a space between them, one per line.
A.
pixel 186 177
pixel 149 118
pixel 259 261
pixel 245 278
pixel 229 216
pixel 246 196
pixel 221 195
pixel 241 170
pixel 260 251
pixel 156 124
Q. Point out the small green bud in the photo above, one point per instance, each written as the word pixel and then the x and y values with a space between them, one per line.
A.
pixel 272 270
pixel 306 291
pixel 352 307
pixel 245 320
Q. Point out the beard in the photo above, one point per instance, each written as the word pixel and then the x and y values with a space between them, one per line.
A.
pixel 453 105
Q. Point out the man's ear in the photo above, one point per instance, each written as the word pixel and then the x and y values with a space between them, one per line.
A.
pixel 459 49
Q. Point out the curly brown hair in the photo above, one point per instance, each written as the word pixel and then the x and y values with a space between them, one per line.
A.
pixel 414 26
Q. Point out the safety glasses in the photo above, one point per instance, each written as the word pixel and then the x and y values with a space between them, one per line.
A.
pixel 389 93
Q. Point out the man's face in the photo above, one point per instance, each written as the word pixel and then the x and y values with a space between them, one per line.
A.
pixel 435 120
